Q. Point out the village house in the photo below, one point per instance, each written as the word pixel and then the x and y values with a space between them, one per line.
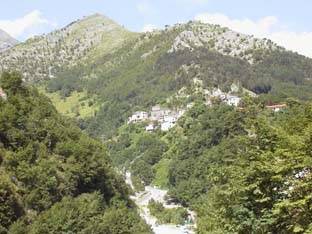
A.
pixel 165 118
pixel 165 126
pixel 158 113
pixel 218 93
pixel 277 108
pixel 232 100
pixel 3 94
pixel 190 105
pixel 150 128
pixel 158 117
pixel 138 116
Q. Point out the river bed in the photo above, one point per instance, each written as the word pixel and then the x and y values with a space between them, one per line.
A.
pixel 142 199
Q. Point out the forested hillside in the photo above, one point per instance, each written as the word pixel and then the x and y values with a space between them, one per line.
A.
pixel 54 178
pixel 241 170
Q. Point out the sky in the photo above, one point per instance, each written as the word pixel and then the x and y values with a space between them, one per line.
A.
pixel 287 22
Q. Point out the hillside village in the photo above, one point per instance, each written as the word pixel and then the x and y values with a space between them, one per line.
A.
pixel 164 118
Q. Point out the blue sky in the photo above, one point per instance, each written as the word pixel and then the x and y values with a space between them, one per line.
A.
pixel 287 22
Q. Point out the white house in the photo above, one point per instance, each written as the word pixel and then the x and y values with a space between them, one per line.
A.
pixel 217 93
pixel 171 118
pixel 165 126
pixel 158 113
pixel 163 117
pixel 180 113
pixel 232 100
pixel 190 105
pixel 150 128
pixel 138 117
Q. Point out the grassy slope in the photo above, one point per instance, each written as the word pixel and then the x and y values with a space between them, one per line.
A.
pixel 161 173
pixel 76 105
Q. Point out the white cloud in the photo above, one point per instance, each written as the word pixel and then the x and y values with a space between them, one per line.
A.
pixel 27 25
pixel 268 27
pixel 149 28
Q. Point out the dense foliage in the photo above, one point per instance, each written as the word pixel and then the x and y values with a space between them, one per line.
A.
pixel 173 215
pixel 53 177
pixel 139 152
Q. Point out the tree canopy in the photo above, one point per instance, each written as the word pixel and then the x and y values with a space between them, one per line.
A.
pixel 54 178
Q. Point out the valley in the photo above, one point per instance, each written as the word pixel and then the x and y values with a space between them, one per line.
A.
pixel 194 128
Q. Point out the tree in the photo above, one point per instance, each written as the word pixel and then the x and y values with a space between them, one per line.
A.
pixel 11 82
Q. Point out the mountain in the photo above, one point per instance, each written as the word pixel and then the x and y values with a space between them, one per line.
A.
pixel 242 169
pixel 102 72
pixel 53 177
pixel 153 67
pixel 41 57
pixel 6 41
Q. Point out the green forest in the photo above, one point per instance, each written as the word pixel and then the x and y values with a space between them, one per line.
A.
pixel 54 178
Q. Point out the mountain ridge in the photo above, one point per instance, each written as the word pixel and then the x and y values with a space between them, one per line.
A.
pixel 96 35
pixel 80 40
pixel 6 41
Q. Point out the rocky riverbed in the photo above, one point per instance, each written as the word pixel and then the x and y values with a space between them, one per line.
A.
pixel 142 198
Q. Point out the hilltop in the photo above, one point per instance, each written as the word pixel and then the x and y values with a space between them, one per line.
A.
pixel 6 41
pixel 41 57
pixel 223 40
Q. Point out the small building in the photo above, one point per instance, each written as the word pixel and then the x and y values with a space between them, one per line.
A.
pixel 158 113
pixel 165 126
pixel 233 100
pixel 190 105
pixel 150 128
pixel 277 108
pixel 3 94
pixel 138 116
pixel 217 93
pixel 180 113
pixel 171 118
